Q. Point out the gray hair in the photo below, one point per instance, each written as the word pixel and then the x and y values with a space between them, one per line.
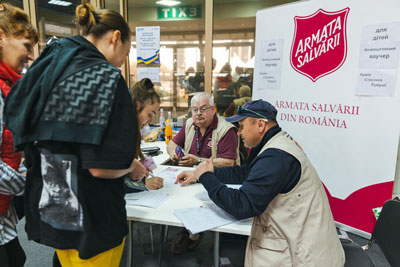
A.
pixel 197 97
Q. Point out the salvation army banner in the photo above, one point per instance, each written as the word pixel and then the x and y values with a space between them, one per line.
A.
pixel 331 68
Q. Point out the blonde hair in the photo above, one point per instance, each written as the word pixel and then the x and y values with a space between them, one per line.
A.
pixel 99 22
pixel 15 22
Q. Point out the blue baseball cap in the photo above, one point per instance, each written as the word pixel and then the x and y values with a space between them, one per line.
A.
pixel 255 109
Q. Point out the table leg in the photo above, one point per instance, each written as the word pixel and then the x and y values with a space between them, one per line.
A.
pixel 130 245
pixel 162 232
pixel 216 249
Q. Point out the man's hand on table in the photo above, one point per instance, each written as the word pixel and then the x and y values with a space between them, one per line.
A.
pixel 188 160
pixel 189 177
pixel 205 166
pixel 185 178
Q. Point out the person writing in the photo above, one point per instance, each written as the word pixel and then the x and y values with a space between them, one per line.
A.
pixel 293 224
pixel 71 113
pixel 147 103
pixel 17 39
pixel 203 136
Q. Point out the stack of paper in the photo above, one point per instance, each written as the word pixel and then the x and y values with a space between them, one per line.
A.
pixel 203 218
pixel 152 199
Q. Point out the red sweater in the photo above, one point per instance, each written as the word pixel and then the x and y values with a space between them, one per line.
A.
pixel 8 78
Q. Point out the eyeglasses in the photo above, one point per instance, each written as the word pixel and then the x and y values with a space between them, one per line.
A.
pixel 202 110
pixel 242 109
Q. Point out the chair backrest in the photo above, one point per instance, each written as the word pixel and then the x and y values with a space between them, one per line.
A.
pixel 386 232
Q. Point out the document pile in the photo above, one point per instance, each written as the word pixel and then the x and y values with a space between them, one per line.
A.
pixel 203 218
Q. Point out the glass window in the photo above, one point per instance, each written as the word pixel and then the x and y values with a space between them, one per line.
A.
pixel 55 18
pixel 17 3
pixel 181 49
pixel 233 46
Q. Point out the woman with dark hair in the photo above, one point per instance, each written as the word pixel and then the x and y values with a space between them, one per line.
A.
pixel 71 113
pixel 147 102
pixel 17 38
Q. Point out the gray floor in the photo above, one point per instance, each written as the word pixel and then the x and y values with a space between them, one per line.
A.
pixel 232 248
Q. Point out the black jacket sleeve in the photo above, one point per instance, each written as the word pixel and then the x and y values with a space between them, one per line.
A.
pixel 271 173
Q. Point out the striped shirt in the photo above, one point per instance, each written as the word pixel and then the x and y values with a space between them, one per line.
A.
pixel 11 183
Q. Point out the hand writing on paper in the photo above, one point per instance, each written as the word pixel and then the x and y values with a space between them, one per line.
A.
pixel 185 178
pixel 139 171
pixel 154 183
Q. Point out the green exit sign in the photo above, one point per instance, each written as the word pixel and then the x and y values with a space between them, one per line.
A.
pixel 179 12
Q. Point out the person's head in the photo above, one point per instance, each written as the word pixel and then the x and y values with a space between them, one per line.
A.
pixel 214 63
pixel 244 90
pixel 189 71
pixel 226 69
pixel 107 30
pixel 147 101
pixel 203 110
pixel 199 66
pixel 239 70
pixel 17 37
pixel 255 119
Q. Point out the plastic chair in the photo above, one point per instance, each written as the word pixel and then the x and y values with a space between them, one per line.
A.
pixel 386 234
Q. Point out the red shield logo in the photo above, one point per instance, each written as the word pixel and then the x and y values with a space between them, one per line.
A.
pixel 319 44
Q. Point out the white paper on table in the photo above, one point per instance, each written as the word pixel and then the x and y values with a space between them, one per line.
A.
pixel 169 175
pixel 152 199
pixel 203 218
pixel 204 196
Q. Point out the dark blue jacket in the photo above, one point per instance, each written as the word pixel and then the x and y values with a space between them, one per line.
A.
pixel 264 176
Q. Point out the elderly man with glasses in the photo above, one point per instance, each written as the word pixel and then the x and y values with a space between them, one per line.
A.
pixel 293 224
pixel 204 136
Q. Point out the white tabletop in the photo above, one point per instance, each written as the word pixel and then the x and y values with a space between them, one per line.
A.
pixel 180 197
pixel 163 155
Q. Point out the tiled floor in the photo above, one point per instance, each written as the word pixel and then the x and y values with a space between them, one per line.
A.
pixel 232 247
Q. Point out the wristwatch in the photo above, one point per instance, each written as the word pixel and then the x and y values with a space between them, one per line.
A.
pixel 199 160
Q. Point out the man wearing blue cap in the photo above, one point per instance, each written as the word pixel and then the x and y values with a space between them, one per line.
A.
pixel 293 224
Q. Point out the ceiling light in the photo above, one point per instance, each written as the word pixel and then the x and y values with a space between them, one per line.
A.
pixel 60 3
pixel 168 2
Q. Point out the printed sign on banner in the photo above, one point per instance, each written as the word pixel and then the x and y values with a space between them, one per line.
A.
pixel 379 58
pixel 325 101
pixel 269 64
pixel 148 45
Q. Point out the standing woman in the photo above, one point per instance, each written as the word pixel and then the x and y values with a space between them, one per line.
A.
pixel 72 115
pixel 147 103
pixel 17 38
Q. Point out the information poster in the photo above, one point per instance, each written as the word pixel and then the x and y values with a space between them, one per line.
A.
pixel 379 59
pixel 151 73
pixel 148 45
pixel 269 64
